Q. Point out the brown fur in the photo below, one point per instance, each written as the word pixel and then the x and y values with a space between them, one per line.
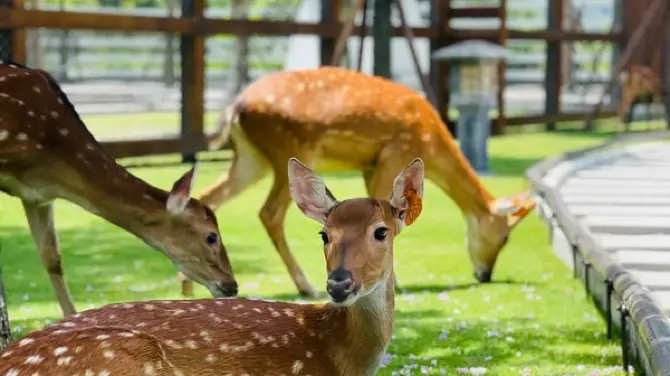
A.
pixel 637 82
pixel 46 152
pixel 243 336
pixel 336 119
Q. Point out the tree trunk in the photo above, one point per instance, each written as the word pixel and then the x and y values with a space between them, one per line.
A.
pixel 240 10
pixel 5 330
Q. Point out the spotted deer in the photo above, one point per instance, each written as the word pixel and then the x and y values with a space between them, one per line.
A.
pixel 46 152
pixel 336 119
pixel 639 84
pixel 346 336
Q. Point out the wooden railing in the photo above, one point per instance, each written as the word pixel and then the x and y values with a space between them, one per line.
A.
pixel 193 27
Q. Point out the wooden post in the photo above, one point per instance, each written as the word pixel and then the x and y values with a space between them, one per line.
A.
pixel 665 70
pixel 192 51
pixel 330 13
pixel 5 330
pixel 499 125
pixel 381 30
pixel 437 22
pixel 552 74
pixel 19 54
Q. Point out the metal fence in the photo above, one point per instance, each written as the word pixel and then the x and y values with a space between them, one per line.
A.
pixel 627 306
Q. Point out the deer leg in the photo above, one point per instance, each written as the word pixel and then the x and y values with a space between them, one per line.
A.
pixel 249 167
pixel 41 222
pixel 272 215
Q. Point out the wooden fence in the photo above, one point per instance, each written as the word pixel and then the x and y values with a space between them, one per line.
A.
pixel 192 27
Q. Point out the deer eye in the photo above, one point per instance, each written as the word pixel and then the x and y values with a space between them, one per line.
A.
pixel 324 237
pixel 380 233
pixel 212 238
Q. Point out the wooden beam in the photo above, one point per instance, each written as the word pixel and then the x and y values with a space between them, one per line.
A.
pixel 192 82
pixel 23 18
pixel 553 69
pixel 382 32
pixel 476 12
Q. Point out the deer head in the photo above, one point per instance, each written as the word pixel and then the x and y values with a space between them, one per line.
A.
pixel 188 219
pixel 358 233
pixel 487 234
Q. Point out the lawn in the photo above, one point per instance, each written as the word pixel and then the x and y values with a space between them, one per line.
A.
pixel 534 320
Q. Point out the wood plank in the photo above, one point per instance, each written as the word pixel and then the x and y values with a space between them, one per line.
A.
pixel 647 259
pixel 623 200
pixel 649 242
pixel 647 189
pixel 633 225
pixel 600 210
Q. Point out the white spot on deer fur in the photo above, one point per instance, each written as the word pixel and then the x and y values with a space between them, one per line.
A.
pixel 206 337
pixel 54 114
pixel 3 135
pixel 211 358
pixel 127 334
pixel 78 349
pixel 127 305
pixel 102 337
pixel 36 89
pixel 64 131
pixel 12 372
pixel 60 101
pixel 178 312
pixel 308 354
pixel 297 367
pixel 39 146
pixel 149 369
pixel 239 306
pixel 173 344
pixel 64 361
pixel 191 344
pixel 89 146
pixel 26 341
pixel 21 136
pixel 256 309
pixel 34 359
pixel 89 373
pixel 425 137
pixel 270 98
pixel 109 354
pixel 104 372
pixel 149 307
pixel 30 113
pixel 289 312
pixel 60 350
pixel 6 354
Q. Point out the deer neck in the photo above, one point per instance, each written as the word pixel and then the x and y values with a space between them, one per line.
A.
pixel 449 169
pixel 122 199
pixel 361 346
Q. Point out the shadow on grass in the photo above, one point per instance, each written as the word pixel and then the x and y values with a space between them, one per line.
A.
pixel 484 343
pixel 98 259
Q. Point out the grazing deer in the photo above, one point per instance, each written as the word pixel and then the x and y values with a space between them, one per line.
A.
pixel 46 152
pixel 236 336
pixel 336 119
pixel 639 84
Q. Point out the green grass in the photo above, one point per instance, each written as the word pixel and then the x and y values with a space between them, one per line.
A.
pixel 535 320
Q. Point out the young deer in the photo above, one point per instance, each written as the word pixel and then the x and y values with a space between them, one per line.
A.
pixel 46 152
pixel 639 84
pixel 336 119
pixel 347 336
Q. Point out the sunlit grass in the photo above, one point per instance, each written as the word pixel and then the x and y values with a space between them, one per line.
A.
pixel 535 320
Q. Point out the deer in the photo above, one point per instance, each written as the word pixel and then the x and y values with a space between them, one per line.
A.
pixel 639 84
pixel 47 153
pixel 336 119
pixel 347 335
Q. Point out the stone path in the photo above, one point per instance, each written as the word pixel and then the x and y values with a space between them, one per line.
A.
pixel 622 196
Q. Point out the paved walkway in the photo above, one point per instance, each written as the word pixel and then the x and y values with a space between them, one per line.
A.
pixel 623 197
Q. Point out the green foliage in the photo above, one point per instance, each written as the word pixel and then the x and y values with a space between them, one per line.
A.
pixel 533 320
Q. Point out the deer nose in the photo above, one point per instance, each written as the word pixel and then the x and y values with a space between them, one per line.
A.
pixel 225 290
pixel 340 285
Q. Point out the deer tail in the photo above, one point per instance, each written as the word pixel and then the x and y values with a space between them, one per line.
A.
pixel 228 116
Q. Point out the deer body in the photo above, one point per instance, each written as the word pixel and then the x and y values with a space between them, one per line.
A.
pixel 47 153
pixel 346 336
pixel 335 119
pixel 638 83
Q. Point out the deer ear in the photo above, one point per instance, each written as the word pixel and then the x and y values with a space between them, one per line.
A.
pixel 510 204
pixel 181 192
pixel 407 194
pixel 309 192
